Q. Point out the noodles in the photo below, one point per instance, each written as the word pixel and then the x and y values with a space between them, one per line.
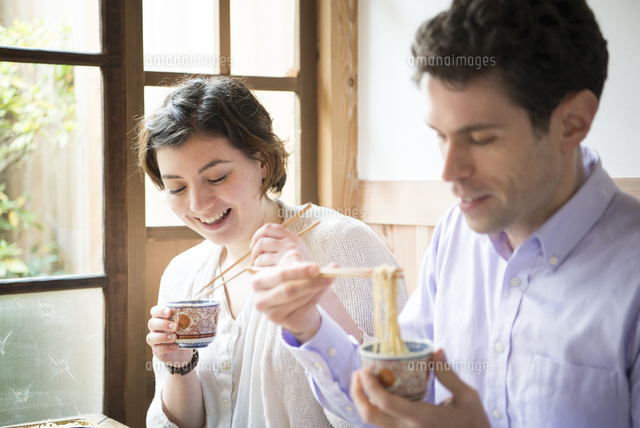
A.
pixel 385 288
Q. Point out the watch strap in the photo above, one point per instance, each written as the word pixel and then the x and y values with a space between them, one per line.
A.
pixel 186 368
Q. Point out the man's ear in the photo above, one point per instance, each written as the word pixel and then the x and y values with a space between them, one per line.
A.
pixel 576 113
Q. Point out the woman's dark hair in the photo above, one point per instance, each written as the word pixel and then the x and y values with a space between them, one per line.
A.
pixel 540 50
pixel 217 106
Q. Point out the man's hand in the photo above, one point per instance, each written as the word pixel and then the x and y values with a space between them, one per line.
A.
pixel 287 294
pixel 378 407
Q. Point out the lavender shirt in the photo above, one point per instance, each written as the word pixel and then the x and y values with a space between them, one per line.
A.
pixel 549 334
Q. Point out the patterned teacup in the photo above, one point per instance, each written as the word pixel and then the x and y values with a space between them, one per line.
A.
pixel 197 322
pixel 407 375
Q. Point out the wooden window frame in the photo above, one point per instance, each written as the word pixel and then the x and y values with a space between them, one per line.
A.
pixel 119 63
pixel 304 85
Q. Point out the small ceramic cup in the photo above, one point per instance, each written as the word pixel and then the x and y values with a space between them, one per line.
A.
pixel 197 322
pixel 407 376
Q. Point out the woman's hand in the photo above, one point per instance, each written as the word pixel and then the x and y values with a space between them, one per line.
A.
pixel 272 241
pixel 182 400
pixel 162 338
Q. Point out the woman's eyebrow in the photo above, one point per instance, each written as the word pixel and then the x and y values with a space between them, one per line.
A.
pixel 200 171
pixel 212 164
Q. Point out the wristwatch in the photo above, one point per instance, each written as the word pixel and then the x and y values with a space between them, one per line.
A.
pixel 186 368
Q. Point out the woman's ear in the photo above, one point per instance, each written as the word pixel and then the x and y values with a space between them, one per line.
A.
pixel 263 166
pixel 577 112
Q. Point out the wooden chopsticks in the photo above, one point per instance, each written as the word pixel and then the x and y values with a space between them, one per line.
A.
pixel 244 257
pixel 248 269
pixel 338 272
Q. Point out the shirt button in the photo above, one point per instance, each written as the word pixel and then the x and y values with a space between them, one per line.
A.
pixel 515 281
pixel 332 352
pixel 317 365
pixel 349 409
pixel 225 403
pixel 553 261
pixel 497 414
pixel 499 347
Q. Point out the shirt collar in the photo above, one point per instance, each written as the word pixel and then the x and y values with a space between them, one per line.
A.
pixel 559 235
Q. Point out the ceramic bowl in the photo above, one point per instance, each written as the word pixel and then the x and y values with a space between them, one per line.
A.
pixel 197 322
pixel 408 376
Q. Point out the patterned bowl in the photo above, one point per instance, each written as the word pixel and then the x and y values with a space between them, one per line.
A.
pixel 408 376
pixel 197 322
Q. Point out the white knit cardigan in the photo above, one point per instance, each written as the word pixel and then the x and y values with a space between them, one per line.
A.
pixel 274 391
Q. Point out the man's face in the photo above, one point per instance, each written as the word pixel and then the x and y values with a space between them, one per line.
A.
pixel 505 177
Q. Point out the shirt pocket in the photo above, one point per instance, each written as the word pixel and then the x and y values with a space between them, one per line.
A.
pixel 567 395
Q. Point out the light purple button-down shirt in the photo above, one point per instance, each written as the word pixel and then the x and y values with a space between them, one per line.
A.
pixel 549 334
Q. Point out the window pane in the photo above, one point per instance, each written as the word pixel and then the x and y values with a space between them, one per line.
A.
pixel 52 353
pixel 264 38
pixel 157 211
pixel 285 111
pixel 71 25
pixel 51 162
pixel 181 38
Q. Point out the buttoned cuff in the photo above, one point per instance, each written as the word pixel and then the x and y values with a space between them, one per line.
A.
pixel 329 358
pixel 329 346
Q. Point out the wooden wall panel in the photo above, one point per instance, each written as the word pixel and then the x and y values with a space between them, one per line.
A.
pixel 408 244
pixel 337 102
pixel 422 202
pixel 404 214
pixel 403 202
pixel 159 253
pixel 629 185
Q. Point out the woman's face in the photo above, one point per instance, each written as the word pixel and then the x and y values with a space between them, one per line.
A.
pixel 214 188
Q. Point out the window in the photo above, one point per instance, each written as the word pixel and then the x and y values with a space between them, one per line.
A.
pixel 64 150
pixel 273 46
pixel 270 44
pixel 72 327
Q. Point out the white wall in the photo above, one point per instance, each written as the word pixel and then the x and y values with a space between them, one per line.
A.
pixel 394 141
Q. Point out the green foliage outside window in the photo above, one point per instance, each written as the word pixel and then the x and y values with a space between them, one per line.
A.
pixel 37 106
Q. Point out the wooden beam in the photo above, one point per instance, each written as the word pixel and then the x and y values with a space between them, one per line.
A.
pixel 422 203
pixel 43 56
pixel 137 314
pixel 116 155
pixel 224 15
pixel 162 78
pixel 171 233
pixel 337 101
pixel 307 151
pixel 52 283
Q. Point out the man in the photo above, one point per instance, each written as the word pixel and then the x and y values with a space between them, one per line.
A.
pixel 534 276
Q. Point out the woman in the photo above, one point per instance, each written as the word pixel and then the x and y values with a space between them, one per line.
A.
pixel 212 150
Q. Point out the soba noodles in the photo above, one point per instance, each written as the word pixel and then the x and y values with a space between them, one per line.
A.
pixel 385 288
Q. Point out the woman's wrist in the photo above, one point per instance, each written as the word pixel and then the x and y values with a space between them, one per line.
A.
pixel 183 369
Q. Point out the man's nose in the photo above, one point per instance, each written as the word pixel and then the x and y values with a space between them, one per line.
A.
pixel 458 163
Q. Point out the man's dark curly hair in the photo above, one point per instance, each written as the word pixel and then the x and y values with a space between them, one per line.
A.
pixel 540 50
pixel 213 107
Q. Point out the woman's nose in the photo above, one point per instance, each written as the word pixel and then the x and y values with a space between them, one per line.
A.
pixel 200 199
